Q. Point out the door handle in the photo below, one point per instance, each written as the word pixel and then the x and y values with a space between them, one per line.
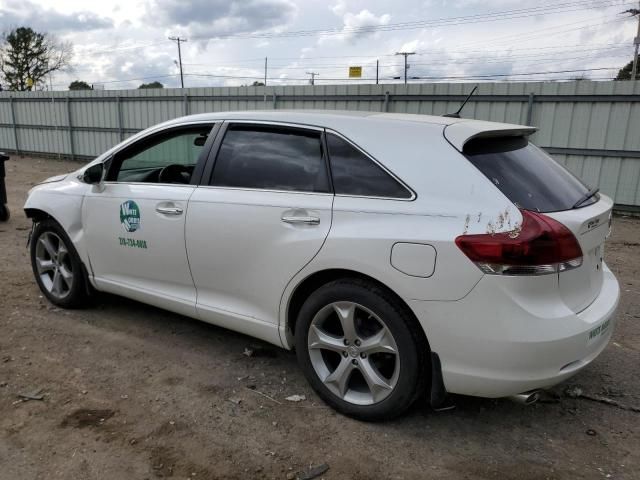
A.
pixel 169 210
pixel 303 220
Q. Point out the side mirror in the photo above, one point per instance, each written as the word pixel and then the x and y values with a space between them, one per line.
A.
pixel 93 174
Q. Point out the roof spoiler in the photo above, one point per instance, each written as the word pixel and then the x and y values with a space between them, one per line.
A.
pixel 459 133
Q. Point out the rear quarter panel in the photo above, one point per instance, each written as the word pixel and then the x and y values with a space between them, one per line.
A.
pixel 452 198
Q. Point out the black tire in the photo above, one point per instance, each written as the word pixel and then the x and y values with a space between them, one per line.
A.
pixel 78 294
pixel 5 214
pixel 412 348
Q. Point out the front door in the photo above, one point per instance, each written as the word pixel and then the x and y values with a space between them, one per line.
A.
pixel 264 214
pixel 134 222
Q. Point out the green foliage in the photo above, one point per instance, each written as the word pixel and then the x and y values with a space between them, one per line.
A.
pixel 151 85
pixel 79 85
pixel 625 72
pixel 28 56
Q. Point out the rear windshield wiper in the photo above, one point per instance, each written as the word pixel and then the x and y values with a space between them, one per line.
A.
pixel 586 197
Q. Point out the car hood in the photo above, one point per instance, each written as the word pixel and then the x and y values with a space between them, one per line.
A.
pixel 55 178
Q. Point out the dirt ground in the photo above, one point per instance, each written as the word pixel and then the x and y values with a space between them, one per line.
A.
pixel 132 392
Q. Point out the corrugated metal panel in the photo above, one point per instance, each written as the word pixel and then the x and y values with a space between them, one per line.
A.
pixel 599 119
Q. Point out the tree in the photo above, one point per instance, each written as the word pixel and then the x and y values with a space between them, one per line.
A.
pixel 27 57
pixel 151 85
pixel 625 72
pixel 257 84
pixel 79 85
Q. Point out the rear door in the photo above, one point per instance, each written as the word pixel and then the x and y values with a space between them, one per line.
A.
pixel 263 214
pixel 532 180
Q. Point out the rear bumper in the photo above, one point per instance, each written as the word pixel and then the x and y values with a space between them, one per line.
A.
pixel 513 334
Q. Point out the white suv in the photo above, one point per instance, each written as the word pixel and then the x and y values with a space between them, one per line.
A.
pixel 398 254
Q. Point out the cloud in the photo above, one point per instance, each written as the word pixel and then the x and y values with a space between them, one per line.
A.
pixel 339 8
pixel 122 66
pixel 212 18
pixel 355 25
pixel 17 13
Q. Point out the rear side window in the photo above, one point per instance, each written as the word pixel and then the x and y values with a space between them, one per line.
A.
pixel 356 174
pixel 526 175
pixel 271 158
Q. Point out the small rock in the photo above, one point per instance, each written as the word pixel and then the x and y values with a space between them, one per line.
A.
pixel 573 392
pixel 296 398
pixel 291 476
pixel 591 432
pixel 235 400
pixel 313 472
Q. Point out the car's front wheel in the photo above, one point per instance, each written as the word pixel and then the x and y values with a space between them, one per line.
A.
pixel 360 349
pixel 57 266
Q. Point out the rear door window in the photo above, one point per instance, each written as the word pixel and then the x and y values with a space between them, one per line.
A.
pixel 271 158
pixel 526 175
pixel 354 173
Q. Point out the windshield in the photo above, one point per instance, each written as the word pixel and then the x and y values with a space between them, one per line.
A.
pixel 527 176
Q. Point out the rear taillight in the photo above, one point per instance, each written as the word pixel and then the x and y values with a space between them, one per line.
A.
pixel 540 246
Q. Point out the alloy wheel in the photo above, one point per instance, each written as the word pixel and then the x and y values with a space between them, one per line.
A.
pixel 353 353
pixel 53 263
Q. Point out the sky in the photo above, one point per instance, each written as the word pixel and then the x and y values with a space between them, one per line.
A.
pixel 121 44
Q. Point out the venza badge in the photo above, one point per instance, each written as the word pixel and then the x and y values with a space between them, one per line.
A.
pixel 130 216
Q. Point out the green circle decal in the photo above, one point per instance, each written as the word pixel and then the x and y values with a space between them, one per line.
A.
pixel 130 216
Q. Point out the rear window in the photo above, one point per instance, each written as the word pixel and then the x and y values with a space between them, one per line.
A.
pixel 527 176
pixel 356 174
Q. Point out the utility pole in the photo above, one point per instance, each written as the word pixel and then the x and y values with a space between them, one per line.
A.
pixel 265 71
pixel 636 41
pixel 312 81
pixel 405 54
pixel 377 67
pixel 178 40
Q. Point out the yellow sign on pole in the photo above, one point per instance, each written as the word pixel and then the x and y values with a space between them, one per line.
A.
pixel 355 72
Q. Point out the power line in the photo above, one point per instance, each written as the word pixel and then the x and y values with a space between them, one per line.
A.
pixel 441 22
pixel 248 77
pixel 356 58
pixel 85 53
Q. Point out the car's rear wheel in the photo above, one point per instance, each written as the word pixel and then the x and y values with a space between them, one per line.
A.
pixel 57 266
pixel 360 349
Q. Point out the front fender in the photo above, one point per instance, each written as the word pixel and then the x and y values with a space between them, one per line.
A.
pixel 61 201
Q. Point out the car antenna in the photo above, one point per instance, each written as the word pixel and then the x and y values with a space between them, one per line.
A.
pixel 457 113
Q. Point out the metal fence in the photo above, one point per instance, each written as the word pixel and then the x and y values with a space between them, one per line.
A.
pixel 591 127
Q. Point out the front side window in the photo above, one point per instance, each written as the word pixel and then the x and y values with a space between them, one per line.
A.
pixel 354 173
pixel 168 158
pixel 271 158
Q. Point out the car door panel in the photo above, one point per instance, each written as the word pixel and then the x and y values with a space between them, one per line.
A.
pixel 135 230
pixel 151 257
pixel 262 217
pixel 245 246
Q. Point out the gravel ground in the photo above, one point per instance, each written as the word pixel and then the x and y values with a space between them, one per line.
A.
pixel 132 392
